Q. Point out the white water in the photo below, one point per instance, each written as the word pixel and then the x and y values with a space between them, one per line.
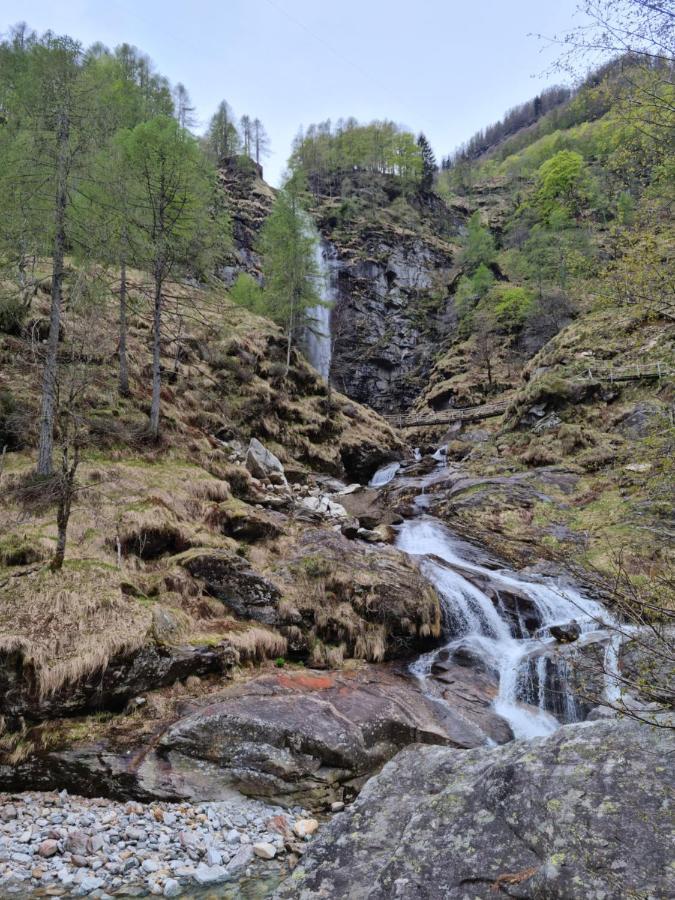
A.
pixel 317 338
pixel 473 623
pixel 384 475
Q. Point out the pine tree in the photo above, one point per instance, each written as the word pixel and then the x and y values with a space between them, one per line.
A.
pixel 429 166
pixel 222 137
pixel 261 141
pixel 52 124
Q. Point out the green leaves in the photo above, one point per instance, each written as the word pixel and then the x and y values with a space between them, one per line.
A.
pixel 561 183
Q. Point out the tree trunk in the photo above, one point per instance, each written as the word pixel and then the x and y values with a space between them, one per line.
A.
pixel 63 512
pixel 46 441
pixel 124 369
pixel 156 354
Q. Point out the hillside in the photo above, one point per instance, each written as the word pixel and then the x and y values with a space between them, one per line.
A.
pixel 279 617
pixel 577 292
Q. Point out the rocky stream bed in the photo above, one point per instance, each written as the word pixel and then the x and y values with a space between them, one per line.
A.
pixel 370 780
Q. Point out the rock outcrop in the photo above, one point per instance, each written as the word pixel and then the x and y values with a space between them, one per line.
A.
pixel 291 735
pixel 308 737
pixel 582 813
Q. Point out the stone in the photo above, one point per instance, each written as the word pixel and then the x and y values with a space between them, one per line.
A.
pixel 171 888
pixel 263 850
pixel 210 874
pixel 77 842
pixel 300 735
pixel 337 807
pixel 305 827
pixel 89 884
pixel 150 865
pixel 263 464
pixel 582 812
pixel 567 633
pixel 48 848
pixel 230 579
pixel 213 857
pixel 241 859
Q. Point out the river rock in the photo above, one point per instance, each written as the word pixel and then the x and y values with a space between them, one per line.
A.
pixel 567 633
pixel 302 736
pixel 581 813
pixel 263 850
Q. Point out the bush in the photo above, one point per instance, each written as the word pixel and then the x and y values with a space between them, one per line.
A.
pixel 12 314
pixel 279 662
pixel 316 566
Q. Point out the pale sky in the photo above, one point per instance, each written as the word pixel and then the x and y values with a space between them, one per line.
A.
pixel 445 67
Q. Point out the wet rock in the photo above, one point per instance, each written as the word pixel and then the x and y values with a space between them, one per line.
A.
pixel 583 811
pixel 567 633
pixel 370 508
pixel 301 736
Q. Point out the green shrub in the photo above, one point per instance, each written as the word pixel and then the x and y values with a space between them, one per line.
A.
pixel 316 566
pixel 279 662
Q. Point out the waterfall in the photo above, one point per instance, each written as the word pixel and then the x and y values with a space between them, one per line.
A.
pixel 384 475
pixel 532 685
pixel 317 337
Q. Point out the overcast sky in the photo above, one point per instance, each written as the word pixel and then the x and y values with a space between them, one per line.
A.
pixel 445 67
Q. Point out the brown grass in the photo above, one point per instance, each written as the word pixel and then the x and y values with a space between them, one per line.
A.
pixel 66 626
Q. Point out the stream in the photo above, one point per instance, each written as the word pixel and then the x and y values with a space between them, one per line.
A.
pixel 482 623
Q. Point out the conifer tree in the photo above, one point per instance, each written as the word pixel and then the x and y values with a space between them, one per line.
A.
pixel 289 266
pixel 429 166
pixel 169 196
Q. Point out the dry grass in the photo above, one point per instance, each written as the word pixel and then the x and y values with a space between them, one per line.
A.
pixel 66 626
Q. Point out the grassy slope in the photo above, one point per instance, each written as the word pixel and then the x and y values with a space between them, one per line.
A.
pixel 224 379
pixel 614 442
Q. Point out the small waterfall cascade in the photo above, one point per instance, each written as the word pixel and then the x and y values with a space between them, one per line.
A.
pixel 384 475
pixel 317 337
pixel 502 619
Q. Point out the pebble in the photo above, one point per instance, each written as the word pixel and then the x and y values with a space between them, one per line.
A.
pixel 304 827
pixel 68 846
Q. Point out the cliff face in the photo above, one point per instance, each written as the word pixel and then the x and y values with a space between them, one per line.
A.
pixel 392 268
pixel 248 199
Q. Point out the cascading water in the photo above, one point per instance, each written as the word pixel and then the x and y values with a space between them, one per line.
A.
pixel 384 475
pixel 533 694
pixel 317 338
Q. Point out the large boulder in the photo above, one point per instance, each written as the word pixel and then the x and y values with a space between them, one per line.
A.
pixel 263 464
pixel 581 813
pixel 306 736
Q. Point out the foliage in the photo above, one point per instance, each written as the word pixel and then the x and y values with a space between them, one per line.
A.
pixel 248 293
pixel 560 183
pixel 323 151
pixel 289 265
pixel 479 245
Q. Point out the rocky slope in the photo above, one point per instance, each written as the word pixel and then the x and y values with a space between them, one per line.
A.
pixel 550 817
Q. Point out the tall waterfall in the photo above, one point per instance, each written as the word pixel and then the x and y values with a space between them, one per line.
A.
pixel 317 338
